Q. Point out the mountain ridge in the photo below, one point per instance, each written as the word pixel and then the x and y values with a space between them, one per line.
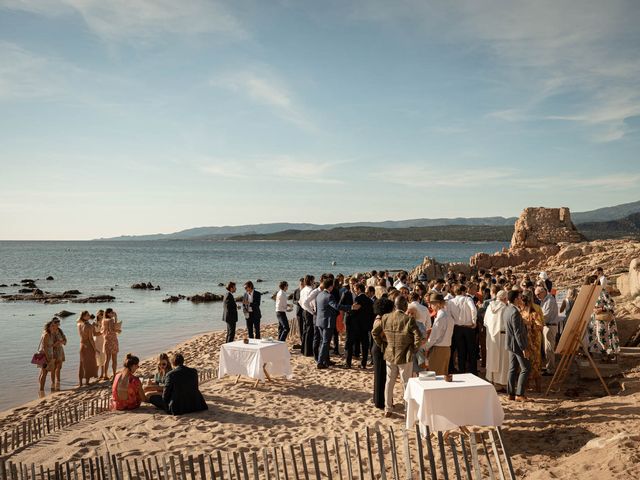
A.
pixel 616 212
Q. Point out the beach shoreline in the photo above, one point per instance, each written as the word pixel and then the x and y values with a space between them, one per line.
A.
pixel 322 404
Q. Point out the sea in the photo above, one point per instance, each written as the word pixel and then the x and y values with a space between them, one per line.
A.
pixel 178 267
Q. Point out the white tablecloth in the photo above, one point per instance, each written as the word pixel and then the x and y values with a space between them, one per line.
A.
pixel 440 405
pixel 238 358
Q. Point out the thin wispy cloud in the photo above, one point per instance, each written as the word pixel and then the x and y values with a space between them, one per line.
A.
pixel 25 75
pixel 440 176
pixel 264 87
pixel 140 20
pixel 275 167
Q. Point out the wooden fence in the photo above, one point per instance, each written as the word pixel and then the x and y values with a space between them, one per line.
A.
pixel 371 455
pixel 36 428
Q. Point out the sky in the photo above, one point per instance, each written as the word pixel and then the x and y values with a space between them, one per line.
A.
pixel 147 116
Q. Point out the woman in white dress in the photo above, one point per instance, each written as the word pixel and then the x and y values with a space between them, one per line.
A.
pixel 101 357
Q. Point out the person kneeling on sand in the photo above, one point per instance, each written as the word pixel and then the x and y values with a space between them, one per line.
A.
pixel 181 394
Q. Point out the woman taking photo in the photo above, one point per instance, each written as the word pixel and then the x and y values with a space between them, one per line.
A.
pixel 111 328
pixel 127 393
pixel 88 367
pixel 46 347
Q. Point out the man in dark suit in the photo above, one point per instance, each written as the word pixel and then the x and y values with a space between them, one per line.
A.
pixel 181 394
pixel 230 312
pixel 251 309
pixel 516 340
pixel 359 325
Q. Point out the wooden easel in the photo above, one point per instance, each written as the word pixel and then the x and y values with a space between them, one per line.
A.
pixel 266 374
pixel 570 342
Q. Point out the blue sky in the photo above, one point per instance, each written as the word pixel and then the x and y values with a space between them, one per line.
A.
pixel 134 117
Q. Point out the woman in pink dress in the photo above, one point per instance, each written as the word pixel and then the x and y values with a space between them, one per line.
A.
pixel 111 328
pixel 127 393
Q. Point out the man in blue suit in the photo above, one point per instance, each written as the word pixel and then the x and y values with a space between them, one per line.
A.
pixel 326 313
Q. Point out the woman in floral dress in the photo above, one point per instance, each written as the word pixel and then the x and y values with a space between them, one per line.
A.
pixel 534 320
pixel 603 329
pixel 111 328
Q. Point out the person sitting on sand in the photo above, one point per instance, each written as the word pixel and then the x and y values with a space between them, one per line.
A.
pixel 127 393
pixel 180 394
pixel 160 378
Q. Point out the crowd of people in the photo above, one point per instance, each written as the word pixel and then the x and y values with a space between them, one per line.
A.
pixel 503 324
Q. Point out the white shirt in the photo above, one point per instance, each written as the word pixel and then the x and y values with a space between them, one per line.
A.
pixel 304 293
pixel 399 284
pixel 441 331
pixel 371 281
pixel 603 281
pixel 281 301
pixel 310 302
pixel 463 310
pixel 422 313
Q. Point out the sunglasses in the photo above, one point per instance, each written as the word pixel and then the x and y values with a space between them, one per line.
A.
pixel 163 365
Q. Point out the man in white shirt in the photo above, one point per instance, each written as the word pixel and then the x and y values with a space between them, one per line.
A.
pixel 438 346
pixel 463 310
pixel 373 279
pixel 281 312
pixel 307 315
pixel 401 281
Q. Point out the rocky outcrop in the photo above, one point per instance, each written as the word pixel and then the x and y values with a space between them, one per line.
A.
pixel 49 278
pixel 39 296
pixel 434 269
pixel 173 298
pixel 539 234
pixel 205 297
pixel 629 283
pixel 537 227
pixel 145 286
pixel 64 313
pixel 95 299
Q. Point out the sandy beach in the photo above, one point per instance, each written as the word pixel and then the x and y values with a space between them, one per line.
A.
pixel 575 431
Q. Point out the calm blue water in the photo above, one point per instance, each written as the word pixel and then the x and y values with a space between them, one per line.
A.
pixel 186 267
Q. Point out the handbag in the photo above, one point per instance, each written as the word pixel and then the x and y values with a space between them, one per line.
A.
pixel 39 358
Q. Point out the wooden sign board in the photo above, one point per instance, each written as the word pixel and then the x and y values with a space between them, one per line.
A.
pixel 576 325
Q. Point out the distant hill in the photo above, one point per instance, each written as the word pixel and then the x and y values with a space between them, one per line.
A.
pixel 606 214
pixel 225 232
pixel 625 227
pixel 467 233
